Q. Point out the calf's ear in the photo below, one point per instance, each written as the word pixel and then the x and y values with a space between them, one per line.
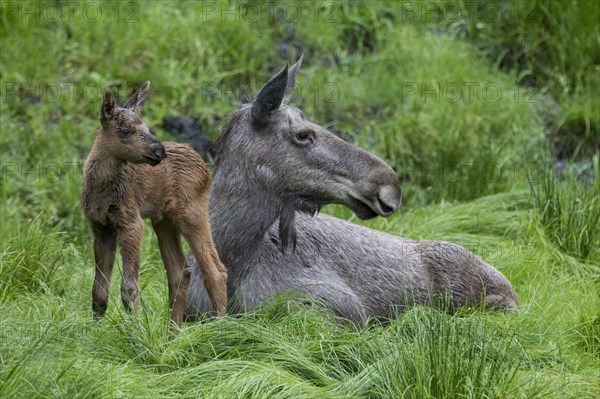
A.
pixel 137 101
pixel 109 104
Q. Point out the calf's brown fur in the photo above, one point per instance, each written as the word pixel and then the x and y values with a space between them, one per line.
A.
pixel 128 175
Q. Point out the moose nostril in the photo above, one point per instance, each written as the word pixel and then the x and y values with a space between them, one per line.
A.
pixel 160 152
pixel 389 200
pixel 387 210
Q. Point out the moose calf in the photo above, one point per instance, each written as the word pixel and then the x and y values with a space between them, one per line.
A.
pixel 129 174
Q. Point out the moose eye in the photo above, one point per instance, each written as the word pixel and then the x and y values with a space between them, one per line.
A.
pixel 125 132
pixel 303 136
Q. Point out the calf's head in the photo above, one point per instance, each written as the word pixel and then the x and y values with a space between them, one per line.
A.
pixel 124 135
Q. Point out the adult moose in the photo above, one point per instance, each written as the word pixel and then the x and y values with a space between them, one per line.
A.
pixel 274 170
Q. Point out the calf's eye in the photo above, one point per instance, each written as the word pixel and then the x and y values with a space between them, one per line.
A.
pixel 125 132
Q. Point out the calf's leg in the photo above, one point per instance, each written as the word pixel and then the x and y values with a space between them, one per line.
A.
pixel 105 243
pixel 178 273
pixel 196 230
pixel 130 237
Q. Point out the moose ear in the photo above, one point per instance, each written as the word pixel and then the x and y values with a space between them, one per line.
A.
pixel 108 107
pixel 269 98
pixel 137 101
pixel 291 82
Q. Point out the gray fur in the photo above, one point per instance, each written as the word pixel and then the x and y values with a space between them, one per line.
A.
pixel 291 82
pixel 270 97
pixel 267 187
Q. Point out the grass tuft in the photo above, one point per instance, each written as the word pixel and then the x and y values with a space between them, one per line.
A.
pixel 569 211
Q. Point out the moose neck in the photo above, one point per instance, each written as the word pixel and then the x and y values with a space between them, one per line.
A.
pixel 100 166
pixel 241 212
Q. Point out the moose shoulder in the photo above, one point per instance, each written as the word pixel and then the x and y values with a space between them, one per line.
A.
pixel 274 170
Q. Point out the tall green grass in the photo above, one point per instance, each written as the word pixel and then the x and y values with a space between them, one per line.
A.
pixel 555 46
pixel 52 348
pixel 269 353
pixel 569 210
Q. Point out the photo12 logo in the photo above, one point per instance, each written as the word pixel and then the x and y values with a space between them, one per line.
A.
pixel 49 92
pixel 465 92
pixel 325 93
pixel 282 11
pixel 69 11
pixel 51 172
pixel 469 11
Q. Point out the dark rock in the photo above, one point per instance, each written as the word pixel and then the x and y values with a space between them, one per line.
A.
pixel 190 131
pixel 584 170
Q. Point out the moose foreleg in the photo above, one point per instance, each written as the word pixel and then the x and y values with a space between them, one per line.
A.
pixel 105 244
pixel 199 237
pixel 130 238
pixel 178 274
